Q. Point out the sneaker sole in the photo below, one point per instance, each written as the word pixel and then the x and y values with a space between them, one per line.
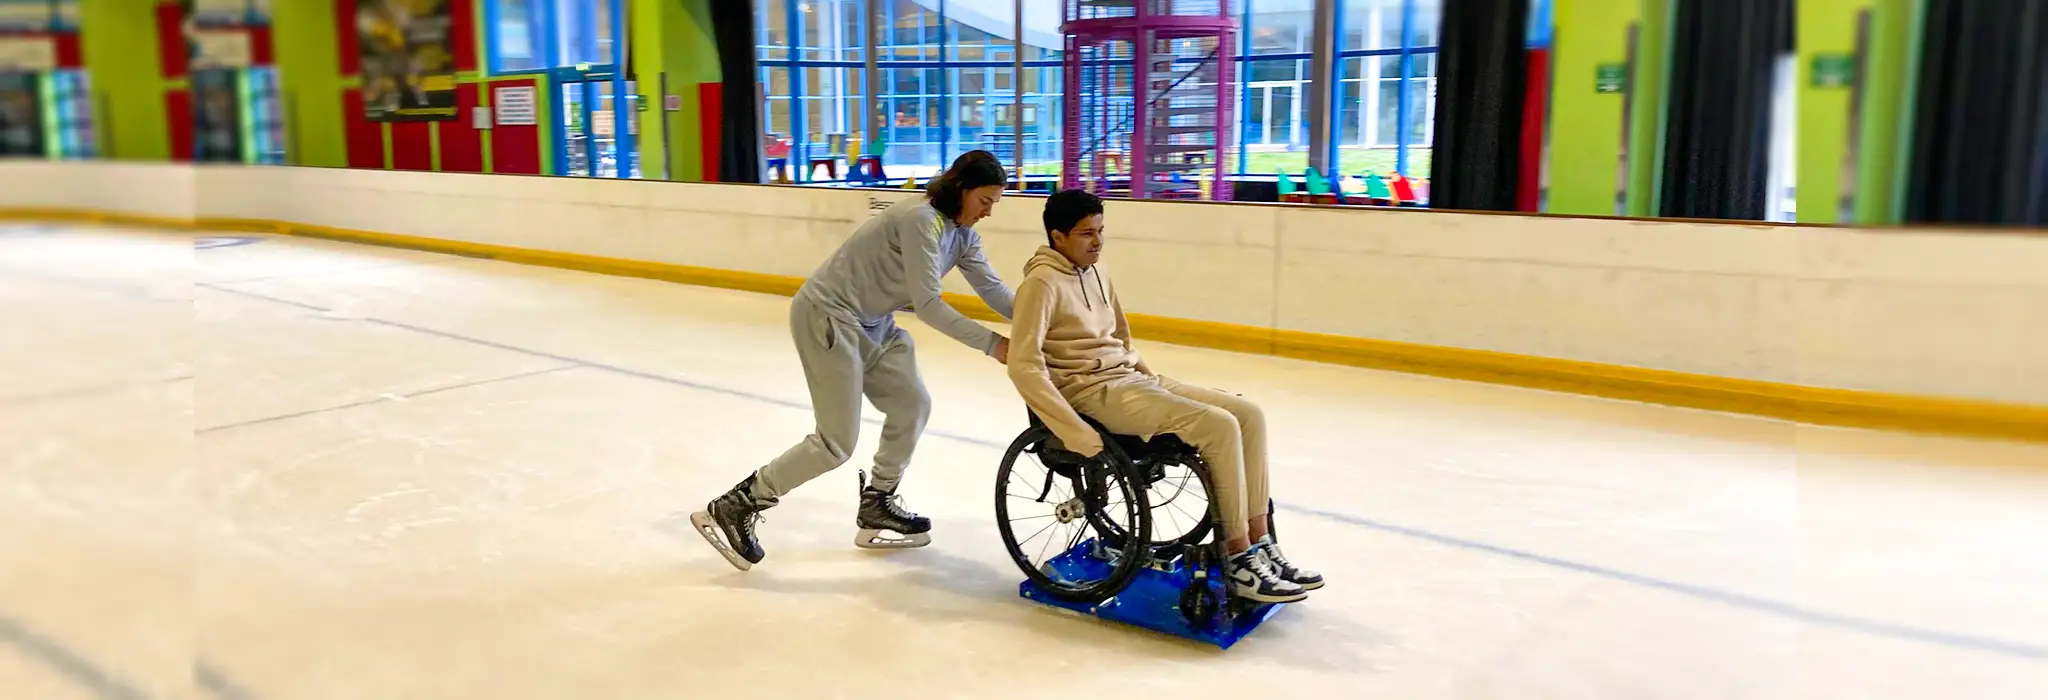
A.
pixel 1265 598
pixel 1254 595
pixel 708 528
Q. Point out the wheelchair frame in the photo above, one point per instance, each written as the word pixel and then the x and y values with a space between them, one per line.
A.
pixel 1176 587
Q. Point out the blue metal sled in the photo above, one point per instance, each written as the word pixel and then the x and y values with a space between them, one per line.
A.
pixel 1152 599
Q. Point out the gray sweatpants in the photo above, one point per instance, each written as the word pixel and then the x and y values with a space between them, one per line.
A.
pixel 842 362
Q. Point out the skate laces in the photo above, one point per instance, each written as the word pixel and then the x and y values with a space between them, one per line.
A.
pixel 891 503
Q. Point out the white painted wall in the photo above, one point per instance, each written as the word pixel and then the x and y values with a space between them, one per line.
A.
pixel 1945 313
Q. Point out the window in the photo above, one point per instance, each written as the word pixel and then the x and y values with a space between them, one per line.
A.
pixel 70 95
pixel 513 48
pixel 536 35
pixel 1386 91
pixel 946 82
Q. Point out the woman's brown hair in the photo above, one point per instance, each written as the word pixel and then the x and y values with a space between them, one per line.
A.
pixel 972 170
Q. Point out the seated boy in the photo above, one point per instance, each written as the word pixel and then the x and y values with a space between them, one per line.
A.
pixel 1071 354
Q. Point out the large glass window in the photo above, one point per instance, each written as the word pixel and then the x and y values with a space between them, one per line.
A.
pixel 1386 90
pixel 536 35
pixel 946 81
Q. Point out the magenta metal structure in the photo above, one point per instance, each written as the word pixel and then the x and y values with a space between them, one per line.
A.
pixel 1148 92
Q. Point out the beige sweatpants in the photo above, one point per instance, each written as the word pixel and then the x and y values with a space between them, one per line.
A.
pixel 1228 431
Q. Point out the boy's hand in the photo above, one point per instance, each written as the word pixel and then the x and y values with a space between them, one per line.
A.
pixel 1002 351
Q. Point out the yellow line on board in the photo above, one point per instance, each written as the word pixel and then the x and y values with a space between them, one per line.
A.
pixel 1812 405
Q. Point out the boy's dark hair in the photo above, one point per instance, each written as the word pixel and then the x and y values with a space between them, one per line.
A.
pixel 973 169
pixel 1065 209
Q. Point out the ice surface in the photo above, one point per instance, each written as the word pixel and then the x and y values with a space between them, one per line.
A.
pixel 298 469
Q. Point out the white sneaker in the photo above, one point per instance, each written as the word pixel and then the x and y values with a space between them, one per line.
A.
pixel 1287 571
pixel 1251 576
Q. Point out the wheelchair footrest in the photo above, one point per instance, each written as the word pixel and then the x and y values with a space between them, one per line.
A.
pixel 1152 599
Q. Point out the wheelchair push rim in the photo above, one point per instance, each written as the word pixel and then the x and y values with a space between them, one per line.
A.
pixel 1102 507
pixel 1182 499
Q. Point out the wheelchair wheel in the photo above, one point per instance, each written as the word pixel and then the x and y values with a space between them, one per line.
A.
pixel 1076 530
pixel 1180 490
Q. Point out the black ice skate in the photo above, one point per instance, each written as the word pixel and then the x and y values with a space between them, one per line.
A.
pixel 880 512
pixel 728 524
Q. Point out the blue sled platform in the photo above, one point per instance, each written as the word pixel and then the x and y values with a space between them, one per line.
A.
pixel 1153 599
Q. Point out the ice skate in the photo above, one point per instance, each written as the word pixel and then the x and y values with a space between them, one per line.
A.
pixel 881 513
pixel 728 524
pixel 1286 570
pixel 1250 576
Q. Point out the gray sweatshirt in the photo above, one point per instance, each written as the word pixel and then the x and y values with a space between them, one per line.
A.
pixel 894 262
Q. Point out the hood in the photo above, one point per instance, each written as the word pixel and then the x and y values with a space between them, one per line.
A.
pixel 1047 258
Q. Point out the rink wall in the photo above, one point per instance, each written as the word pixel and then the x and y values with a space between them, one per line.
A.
pixel 1918 329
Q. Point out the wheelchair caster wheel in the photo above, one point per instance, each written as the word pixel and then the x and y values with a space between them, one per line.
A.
pixel 1199 605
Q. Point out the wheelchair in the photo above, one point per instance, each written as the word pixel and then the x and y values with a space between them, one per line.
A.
pixel 1132 534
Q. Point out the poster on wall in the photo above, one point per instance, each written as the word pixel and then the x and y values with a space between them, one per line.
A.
pixel 408 62
pixel 217 115
pixel 21 115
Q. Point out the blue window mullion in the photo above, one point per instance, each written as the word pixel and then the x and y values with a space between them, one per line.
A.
pixel 1401 98
pixel 1244 87
pixel 946 79
pixel 796 93
pixel 622 111
pixel 492 65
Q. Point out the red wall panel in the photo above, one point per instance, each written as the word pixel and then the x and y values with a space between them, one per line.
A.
pixel 178 110
pixel 170 40
pixel 462 147
pixel 412 146
pixel 711 113
pixel 515 149
pixel 1536 105
pixel 346 43
pixel 365 137
pixel 69 54
pixel 261 51
pixel 462 38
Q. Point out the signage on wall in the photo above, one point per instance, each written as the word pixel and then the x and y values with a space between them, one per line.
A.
pixel 222 48
pixel 1834 70
pixel 1610 78
pixel 515 105
pixel 408 61
pixel 27 53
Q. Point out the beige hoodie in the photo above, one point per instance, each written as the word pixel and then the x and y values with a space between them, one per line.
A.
pixel 1069 337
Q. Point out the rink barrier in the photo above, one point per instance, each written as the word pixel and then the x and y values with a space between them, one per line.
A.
pixel 1801 404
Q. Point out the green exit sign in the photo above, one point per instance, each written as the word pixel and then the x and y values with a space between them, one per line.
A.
pixel 1610 78
pixel 1834 70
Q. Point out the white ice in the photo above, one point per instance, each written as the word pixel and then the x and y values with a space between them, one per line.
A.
pixel 296 469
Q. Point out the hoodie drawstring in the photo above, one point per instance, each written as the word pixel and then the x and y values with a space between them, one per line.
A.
pixel 1084 287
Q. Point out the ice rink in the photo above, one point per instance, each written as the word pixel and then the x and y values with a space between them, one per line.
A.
pixel 278 469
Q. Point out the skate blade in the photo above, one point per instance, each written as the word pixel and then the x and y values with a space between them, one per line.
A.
pixel 708 528
pixel 869 538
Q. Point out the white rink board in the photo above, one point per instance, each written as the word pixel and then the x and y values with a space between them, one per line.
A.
pixel 1935 313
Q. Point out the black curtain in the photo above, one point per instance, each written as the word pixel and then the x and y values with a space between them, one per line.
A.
pixel 739 147
pixel 1980 130
pixel 1482 78
pixel 1717 133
